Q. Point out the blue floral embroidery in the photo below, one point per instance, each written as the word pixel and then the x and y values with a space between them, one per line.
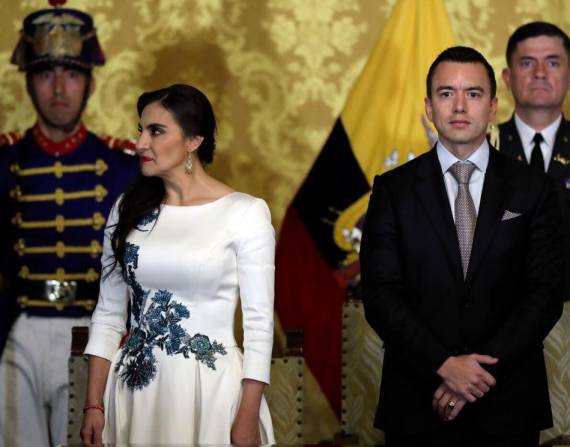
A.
pixel 138 360
pixel 158 327
pixel 132 255
pixel 145 220
pixel 203 350
pixel 139 294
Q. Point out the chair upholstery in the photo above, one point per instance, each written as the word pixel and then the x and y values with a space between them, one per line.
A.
pixel 362 359
pixel 77 383
pixel 285 399
pixel 557 356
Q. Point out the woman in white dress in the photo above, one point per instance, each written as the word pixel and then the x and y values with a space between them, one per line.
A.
pixel 179 248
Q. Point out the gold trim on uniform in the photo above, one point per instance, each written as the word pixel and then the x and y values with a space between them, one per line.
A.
pixel 562 160
pixel 60 223
pixel 10 138
pixel 60 249
pixel 59 196
pixel 58 169
pixel 58 35
pixel 24 301
pixel 59 275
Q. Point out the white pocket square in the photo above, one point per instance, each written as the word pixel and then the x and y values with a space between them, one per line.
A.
pixel 508 215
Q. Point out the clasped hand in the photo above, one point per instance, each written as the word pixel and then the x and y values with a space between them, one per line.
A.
pixel 464 380
pixel 440 403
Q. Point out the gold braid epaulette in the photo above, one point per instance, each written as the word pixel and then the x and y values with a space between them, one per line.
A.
pixel 126 146
pixel 10 138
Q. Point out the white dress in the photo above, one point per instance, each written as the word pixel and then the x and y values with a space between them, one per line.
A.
pixel 176 379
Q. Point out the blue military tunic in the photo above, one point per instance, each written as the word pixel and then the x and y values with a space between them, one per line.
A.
pixel 54 202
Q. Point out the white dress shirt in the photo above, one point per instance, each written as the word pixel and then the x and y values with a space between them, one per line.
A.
pixel 548 134
pixel 480 158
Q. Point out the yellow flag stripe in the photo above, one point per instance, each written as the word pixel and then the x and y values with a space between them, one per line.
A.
pixel 382 116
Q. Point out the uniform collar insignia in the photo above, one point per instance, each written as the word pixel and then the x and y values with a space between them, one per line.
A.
pixel 562 160
pixel 63 147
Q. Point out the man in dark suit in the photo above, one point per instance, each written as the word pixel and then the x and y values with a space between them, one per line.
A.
pixel 538 75
pixel 460 263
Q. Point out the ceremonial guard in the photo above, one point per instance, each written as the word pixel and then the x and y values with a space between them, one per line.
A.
pixel 57 185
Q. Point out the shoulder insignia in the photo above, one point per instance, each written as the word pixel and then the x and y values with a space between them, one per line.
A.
pixel 562 160
pixel 126 146
pixel 10 138
pixel 493 136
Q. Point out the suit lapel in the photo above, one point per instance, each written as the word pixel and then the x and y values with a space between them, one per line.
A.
pixel 494 193
pixel 430 189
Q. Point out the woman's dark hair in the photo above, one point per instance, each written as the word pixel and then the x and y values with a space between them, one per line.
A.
pixel 193 112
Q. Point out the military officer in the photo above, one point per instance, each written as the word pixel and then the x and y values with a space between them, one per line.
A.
pixel 57 185
pixel 538 76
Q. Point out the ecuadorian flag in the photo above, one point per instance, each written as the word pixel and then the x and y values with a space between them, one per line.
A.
pixel 379 128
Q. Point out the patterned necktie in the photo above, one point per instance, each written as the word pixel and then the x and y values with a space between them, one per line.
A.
pixel 536 158
pixel 465 214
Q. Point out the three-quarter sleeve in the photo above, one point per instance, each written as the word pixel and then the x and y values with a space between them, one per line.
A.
pixel 108 323
pixel 256 273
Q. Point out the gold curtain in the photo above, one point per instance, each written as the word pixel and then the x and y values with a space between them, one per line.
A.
pixel 277 71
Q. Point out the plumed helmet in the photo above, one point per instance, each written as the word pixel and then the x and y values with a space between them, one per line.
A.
pixel 58 36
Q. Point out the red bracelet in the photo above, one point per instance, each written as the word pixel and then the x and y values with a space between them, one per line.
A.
pixel 93 407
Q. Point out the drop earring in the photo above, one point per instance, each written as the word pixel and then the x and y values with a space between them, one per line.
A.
pixel 188 166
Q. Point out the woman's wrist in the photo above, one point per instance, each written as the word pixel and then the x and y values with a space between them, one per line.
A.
pixel 247 414
pixel 94 399
pixel 94 407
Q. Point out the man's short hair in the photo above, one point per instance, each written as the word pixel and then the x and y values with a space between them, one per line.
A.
pixel 535 29
pixel 462 55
